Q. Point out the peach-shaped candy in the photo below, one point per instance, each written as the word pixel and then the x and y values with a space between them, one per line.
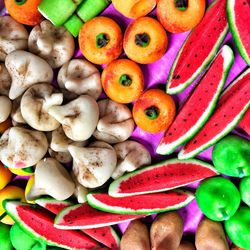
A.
pixel 5 176
pixel 23 171
pixel 10 192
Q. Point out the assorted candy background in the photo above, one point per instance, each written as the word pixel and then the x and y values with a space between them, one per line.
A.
pixel 155 76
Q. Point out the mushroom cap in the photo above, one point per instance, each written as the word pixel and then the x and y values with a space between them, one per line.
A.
pixel 13 36
pixel 55 44
pixel 25 70
pixel 78 117
pixel 53 179
pixel 5 108
pixel 22 148
pixel 16 114
pixel 130 156
pixel 93 165
pixel 36 102
pixel 116 123
pixel 5 80
pixel 80 77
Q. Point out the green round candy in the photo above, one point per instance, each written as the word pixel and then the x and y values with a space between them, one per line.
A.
pixel 245 190
pixel 39 246
pixel 5 243
pixel 21 240
pixel 218 198
pixel 238 228
pixel 231 156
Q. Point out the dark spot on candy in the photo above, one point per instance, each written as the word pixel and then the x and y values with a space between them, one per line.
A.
pixel 224 115
pixel 103 235
pixel 195 55
pixel 157 176
pixel 188 65
pixel 216 124
pixel 176 77
pixel 244 3
pixel 195 141
pixel 189 114
pixel 205 135
pixel 184 120
pixel 169 134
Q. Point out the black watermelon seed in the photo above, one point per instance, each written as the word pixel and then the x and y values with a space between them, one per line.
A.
pixel 169 134
pixel 188 65
pixel 195 141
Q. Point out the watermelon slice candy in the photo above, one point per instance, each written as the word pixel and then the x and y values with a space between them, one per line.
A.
pixel 192 117
pixel 83 216
pixel 39 223
pixel 105 235
pixel 238 12
pixel 199 48
pixel 231 107
pixel 163 176
pixel 140 204
pixel 245 122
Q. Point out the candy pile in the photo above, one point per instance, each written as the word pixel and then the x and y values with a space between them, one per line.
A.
pixel 66 124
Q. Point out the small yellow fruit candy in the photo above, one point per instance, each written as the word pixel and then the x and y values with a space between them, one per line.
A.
pixel 10 192
pixel 5 176
pixel 21 171
pixel 28 187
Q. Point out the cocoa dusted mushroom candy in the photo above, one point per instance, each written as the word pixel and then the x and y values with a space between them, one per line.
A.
pixel 36 102
pixel 78 117
pixel 5 108
pixel 93 165
pixel 51 178
pixel 26 70
pixel 22 148
pixel 130 156
pixel 13 36
pixel 5 80
pixel 16 114
pixel 59 143
pixel 80 77
pixel 55 44
pixel 80 191
pixel 116 123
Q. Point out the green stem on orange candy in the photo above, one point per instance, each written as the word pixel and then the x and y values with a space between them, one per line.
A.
pixel 20 2
pixel 142 40
pixel 125 80
pixel 102 40
pixel 152 112
pixel 181 4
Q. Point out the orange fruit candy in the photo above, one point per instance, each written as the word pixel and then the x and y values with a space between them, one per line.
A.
pixel 154 111
pixel 24 11
pixel 5 125
pixel 100 40
pixel 5 176
pixel 176 18
pixel 10 192
pixel 145 40
pixel 134 8
pixel 123 81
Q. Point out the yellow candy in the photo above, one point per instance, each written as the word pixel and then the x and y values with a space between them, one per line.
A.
pixel 28 187
pixel 5 176
pixel 10 192
pixel 20 172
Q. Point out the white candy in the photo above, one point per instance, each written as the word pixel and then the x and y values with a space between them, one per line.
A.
pixel 5 80
pixel 5 108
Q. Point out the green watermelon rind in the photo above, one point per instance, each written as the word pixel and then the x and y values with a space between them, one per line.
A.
pixel 227 130
pixel 114 186
pixel 170 148
pixel 234 31
pixel 204 65
pixel 69 209
pixel 10 207
pixel 120 210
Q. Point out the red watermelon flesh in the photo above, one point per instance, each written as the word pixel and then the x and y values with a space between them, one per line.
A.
pixel 106 235
pixel 163 176
pixel 144 204
pixel 239 23
pixel 200 104
pixel 83 216
pixel 199 48
pixel 225 118
pixel 40 223
pixel 245 122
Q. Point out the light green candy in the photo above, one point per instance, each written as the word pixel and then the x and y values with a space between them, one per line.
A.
pixel 5 243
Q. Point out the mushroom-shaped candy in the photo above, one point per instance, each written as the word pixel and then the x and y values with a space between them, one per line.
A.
pixel 80 191
pixel 130 156
pixel 59 143
pixel 52 179
pixel 93 165
pixel 54 44
pixel 36 102
pixel 26 69
pixel 116 123
pixel 16 114
pixel 22 148
pixel 13 36
pixel 78 117
pixel 80 77
pixel 5 80
pixel 5 108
